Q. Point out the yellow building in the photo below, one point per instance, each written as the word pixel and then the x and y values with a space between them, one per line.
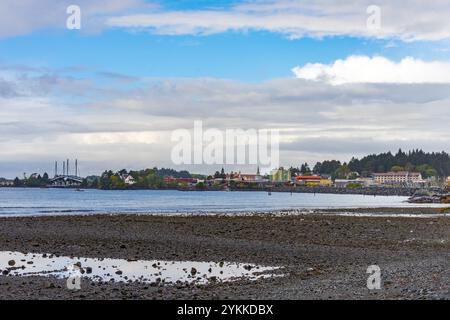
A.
pixel 313 181
pixel 326 182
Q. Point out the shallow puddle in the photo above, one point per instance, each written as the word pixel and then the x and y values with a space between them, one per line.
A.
pixel 120 270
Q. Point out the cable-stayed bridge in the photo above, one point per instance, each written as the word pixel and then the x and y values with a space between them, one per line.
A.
pixel 66 179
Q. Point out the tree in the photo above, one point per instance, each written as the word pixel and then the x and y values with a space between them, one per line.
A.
pixel 200 186
pixel 17 182
pixel 326 167
pixel 304 169
pixel 294 171
pixel 342 172
pixel 397 169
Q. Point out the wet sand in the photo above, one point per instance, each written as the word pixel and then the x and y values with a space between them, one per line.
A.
pixel 324 255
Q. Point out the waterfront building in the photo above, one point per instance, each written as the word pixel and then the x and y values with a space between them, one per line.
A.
pixel 362 182
pixel 313 181
pixel 6 183
pixel 342 183
pixel 245 177
pixel 181 181
pixel 398 178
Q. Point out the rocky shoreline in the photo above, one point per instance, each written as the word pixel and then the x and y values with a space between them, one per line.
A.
pixel 375 191
pixel 324 255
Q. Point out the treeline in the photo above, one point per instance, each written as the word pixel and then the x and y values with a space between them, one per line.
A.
pixel 143 179
pixel 429 164
pixel 34 181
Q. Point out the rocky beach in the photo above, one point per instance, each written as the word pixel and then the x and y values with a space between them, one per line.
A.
pixel 323 255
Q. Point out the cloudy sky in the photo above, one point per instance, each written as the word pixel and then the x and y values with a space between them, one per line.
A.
pixel 332 77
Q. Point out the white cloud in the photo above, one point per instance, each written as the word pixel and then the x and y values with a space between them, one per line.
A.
pixel 130 127
pixel 363 69
pixel 26 16
pixel 408 20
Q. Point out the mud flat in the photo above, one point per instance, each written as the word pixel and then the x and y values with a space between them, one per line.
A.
pixel 317 254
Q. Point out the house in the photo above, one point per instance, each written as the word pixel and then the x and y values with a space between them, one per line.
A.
pixel 398 178
pixel 129 180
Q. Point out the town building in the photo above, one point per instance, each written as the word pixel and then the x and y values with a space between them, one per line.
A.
pixel 6 183
pixel 362 182
pixel 181 181
pixel 398 178
pixel 313 181
pixel 243 177
pixel 342 183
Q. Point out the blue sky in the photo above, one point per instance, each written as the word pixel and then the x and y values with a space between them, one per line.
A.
pixel 255 56
pixel 137 70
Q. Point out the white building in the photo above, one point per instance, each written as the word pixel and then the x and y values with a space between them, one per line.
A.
pixel 6 183
pixel 398 178
pixel 129 180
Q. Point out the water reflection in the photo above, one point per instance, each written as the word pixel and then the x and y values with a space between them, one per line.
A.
pixel 120 270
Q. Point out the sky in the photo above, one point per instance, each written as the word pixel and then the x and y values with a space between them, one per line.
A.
pixel 337 79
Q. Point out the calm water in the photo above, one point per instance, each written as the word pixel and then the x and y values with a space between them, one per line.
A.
pixel 17 201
